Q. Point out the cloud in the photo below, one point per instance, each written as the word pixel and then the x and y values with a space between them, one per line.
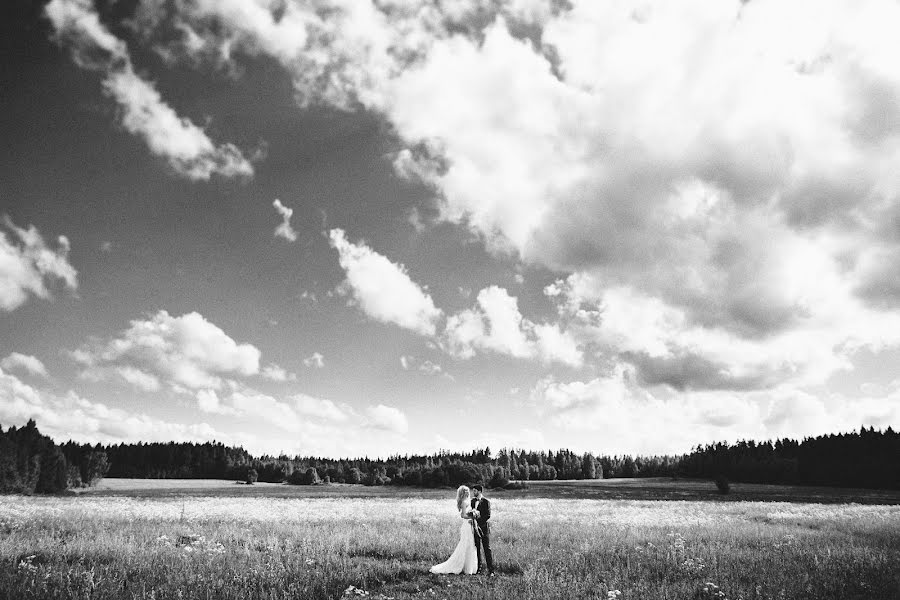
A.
pixel 314 360
pixel 747 217
pixel 71 416
pixel 293 414
pixel 185 146
pixel 275 373
pixel 29 364
pixel 387 418
pixel 186 351
pixel 668 347
pixel 321 408
pixel 138 378
pixel 208 402
pixel 624 417
pixel 298 424
pixel 315 422
pixel 298 412
pixel 428 367
pixel 716 181
pixel 284 230
pixel 496 325
pixel 247 402
pixel 383 290
pixel 28 265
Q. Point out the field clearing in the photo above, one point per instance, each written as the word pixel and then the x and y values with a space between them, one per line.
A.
pixel 241 542
pixel 595 489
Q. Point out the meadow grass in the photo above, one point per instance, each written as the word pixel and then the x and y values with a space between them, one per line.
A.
pixel 319 546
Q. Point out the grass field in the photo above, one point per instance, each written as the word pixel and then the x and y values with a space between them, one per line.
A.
pixel 188 539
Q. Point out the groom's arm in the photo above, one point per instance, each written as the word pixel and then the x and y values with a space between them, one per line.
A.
pixel 486 509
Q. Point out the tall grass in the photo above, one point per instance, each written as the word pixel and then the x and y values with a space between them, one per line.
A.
pixel 309 548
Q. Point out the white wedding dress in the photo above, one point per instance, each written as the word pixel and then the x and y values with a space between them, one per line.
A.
pixel 464 559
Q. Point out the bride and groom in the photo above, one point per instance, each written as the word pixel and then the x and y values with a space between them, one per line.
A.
pixel 474 534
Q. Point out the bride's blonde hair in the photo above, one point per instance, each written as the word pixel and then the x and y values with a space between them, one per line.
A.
pixel 462 492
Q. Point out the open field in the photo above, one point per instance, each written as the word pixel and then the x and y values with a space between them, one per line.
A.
pixel 596 489
pixel 221 540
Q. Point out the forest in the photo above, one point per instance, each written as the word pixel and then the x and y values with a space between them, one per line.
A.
pixel 33 463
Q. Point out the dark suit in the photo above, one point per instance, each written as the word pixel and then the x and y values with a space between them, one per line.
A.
pixel 483 506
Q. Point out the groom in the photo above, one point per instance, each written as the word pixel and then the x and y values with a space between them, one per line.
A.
pixel 483 538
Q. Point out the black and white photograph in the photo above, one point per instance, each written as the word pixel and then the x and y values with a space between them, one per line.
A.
pixel 450 299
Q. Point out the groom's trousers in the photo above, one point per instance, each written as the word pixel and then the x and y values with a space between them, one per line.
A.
pixel 484 540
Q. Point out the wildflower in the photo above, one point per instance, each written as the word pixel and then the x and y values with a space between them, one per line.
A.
pixel 26 565
pixel 613 595
pixel 355 591
pixel 693 565
pixel 711 591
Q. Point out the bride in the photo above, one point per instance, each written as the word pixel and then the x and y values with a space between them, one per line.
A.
pixel 463 559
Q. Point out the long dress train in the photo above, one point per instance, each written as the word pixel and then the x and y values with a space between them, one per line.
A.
pixel 464 559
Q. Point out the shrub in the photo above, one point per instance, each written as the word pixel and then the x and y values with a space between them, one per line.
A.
pixel 251 477
pixel 93 467
pixel 723 485
pixel 354 475
pixel 308 477
pixel 74 477
pixel 499 479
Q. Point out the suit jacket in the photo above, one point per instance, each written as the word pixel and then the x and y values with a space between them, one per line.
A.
pixel 483 506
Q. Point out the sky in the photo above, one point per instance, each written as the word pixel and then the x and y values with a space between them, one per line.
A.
pixel 370 227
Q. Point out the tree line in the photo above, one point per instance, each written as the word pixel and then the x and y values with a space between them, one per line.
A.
pixel 32 463
pixel 865 459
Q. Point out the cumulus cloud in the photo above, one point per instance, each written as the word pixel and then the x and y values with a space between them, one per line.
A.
pixel 24 362
pixel 284 229
pixel 186 351
pixel 387 418
pixel 624 417
pixel 426 366
pixel 668 347
pixel 28 266
pixel 186 147
pixel 735 174
pixel 716 179
pixel 71 416
pixel 297 424
pixel 382 289
pixel 314 360
pixel 314 420
pixel 496 325
pixel 321 408
pixel 275 373
pixel 292 414
pixel 138 378
pixel 430 368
